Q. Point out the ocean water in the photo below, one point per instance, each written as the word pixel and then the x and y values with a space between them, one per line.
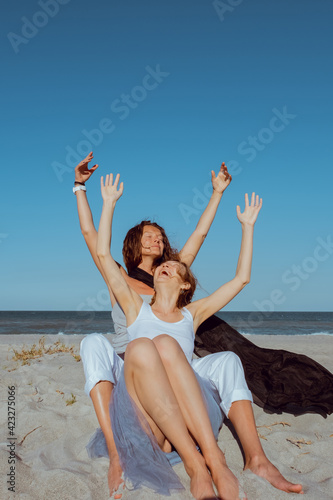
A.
pixel 85 322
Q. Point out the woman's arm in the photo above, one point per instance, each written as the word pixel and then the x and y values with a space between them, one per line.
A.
pixel 203 308
pixel 82 174
pixel 193 244
pixel 128 299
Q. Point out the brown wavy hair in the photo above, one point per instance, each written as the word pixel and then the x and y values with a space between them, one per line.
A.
pixel 132 249
pixel 185 296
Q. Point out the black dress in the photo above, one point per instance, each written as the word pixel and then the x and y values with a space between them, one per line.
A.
pixel 280 381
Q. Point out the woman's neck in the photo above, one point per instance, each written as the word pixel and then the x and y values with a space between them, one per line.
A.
pixel 166 301
pixel 147 265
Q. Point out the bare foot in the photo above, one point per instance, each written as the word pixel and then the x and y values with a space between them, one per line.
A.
pixel 265 469
pixel 115 479
pixel 201 482
pixel 224 480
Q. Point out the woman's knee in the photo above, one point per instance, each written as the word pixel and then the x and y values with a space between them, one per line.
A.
pixel 233 367
pixel 225 359
pixel 232 360
pixel 92 342
pixel 140 352
pixel 168 348
pixel 223 364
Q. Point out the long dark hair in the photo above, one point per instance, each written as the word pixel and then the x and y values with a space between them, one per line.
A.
pixel 132 249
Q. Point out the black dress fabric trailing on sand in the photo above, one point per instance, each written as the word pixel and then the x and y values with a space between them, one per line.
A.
pixel 280 381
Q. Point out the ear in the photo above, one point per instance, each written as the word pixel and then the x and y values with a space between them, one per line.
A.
pixel 186 286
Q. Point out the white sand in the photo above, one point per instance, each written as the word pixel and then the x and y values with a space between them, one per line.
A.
pixel 52 462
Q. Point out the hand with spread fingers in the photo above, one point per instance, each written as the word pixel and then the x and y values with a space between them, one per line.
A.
pixel 109 189
pixel 251 211
pixel 222 180
pixel 82 171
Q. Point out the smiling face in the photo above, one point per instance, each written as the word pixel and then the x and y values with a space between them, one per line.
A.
pixel 142 241
pixel 152 241
pixel 170 269
pixel 174 274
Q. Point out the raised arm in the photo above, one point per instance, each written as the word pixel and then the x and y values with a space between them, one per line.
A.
pixel 193 244
pixel 128 299
pixel 82 175
pixel 203 308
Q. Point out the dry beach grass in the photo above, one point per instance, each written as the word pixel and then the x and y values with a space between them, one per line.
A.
pixel 55 419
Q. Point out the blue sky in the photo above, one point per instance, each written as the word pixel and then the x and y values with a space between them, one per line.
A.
pixel 163 92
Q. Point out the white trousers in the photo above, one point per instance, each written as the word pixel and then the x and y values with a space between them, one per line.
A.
pixel 224 370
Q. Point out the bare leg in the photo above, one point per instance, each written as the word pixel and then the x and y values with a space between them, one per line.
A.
pixel 242 418
pixel 100 396
pixel 160 404
pixel 188 394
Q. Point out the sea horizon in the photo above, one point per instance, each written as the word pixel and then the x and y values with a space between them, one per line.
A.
pixel 42 322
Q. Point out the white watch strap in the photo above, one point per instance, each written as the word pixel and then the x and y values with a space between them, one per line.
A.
pixel 79 188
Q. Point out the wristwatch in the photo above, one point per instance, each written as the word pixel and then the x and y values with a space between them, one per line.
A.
pixel 79 188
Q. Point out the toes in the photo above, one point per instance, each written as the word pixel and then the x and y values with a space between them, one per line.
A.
pixel 118 493
pixel 116 496
pixel 296 488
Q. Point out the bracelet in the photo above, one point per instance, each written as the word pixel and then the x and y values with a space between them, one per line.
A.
pixel 79 188
pixel 81 183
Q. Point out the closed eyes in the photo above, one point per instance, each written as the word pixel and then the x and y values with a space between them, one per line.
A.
pixel 160 238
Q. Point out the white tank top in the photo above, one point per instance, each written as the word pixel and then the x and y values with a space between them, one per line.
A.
pixel 120 339
pixel 149 326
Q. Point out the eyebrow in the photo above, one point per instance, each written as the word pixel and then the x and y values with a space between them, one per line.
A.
pixel 151 232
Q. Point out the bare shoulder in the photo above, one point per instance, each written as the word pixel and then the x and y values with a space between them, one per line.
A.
pixel 134 309
pixel 196 309
pixel 195 306
pixel 137 286
pixel 137 301
pixel 191 308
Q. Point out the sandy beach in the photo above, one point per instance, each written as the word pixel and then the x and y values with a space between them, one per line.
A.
pixel 55 419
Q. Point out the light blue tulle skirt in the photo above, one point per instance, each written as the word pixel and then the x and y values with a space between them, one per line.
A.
pixel 142 460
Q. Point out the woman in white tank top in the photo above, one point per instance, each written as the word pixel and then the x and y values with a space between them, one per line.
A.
pixel 157 358
pixel 222 371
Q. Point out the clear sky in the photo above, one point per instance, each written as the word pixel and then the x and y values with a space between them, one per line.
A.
pixel 163 91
